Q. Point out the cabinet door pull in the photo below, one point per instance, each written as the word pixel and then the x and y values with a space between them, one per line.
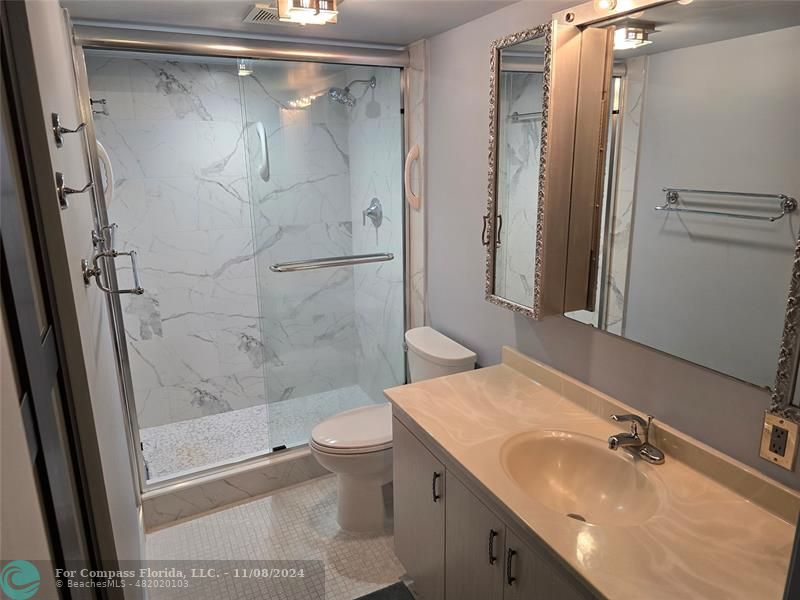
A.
pixel 499 230
pixel 492 557
pixel 484 241
pixel 510 579
pixel 436 495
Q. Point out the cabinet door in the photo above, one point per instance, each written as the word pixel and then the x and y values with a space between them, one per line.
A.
pixel 419 488
pixel 530 576
pixel 474 545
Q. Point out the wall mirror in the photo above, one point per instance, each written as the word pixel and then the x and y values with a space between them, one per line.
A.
pixel 697 216
pixel 514 223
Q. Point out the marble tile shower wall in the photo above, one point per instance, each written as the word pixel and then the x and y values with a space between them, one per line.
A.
pixel 375 146
pixel 181 200
pixel 217 330
pixel 518 174
pixel 302 212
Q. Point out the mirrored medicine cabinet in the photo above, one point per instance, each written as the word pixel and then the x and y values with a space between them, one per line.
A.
pixel 678 226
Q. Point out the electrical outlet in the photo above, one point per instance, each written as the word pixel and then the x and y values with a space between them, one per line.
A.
pixel 779 441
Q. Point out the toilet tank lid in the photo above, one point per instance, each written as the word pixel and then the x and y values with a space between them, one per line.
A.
pixel 438 348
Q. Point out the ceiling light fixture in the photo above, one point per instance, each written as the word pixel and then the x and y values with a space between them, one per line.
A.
pixel 632 34
pixel 605 5
pixel 308 12
pixel 244 67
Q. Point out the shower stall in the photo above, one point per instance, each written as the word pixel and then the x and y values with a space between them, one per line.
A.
pixel 264 200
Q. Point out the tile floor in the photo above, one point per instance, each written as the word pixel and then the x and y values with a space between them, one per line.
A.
pixel 187 446
pixel 295 524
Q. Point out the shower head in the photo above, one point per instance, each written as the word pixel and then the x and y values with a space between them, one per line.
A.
pixel 343 95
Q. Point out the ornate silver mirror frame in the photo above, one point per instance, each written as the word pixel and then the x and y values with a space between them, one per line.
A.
pixel 490 228
pixel 783 394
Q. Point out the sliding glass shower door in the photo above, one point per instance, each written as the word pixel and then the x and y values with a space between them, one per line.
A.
pixel 221 173
pixel 324 147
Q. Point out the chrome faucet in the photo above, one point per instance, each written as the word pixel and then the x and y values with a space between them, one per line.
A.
pixel 633 442
pixel 374 212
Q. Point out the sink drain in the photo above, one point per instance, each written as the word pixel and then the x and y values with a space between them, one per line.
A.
pixel 577 517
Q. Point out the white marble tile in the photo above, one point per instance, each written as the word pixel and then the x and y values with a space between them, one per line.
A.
pixel 518 184
pixel 185 90
pixel 216 330
pixel 294 524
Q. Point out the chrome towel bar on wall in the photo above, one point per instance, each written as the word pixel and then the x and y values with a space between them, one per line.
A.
pixel 787 204
pixel 333 261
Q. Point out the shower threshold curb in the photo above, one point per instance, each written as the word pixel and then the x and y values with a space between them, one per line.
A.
pixel 178 502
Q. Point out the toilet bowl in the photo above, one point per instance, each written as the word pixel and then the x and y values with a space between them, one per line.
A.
pixel 357 444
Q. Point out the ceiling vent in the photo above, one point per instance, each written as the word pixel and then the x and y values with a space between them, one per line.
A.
pixel 264 14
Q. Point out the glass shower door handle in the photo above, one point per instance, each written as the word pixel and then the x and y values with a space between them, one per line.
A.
pixel 93 269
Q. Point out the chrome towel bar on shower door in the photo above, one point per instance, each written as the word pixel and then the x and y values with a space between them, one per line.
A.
pixel 787 204
pixel 333 261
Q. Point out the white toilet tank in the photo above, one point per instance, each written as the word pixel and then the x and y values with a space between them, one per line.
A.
pixel 431 354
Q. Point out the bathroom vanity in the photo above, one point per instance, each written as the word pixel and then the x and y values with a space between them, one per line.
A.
pixel 505 488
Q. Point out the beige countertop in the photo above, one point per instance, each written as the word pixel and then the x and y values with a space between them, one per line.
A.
pixel 704 540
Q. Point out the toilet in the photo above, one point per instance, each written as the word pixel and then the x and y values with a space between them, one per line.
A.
pixel 357 444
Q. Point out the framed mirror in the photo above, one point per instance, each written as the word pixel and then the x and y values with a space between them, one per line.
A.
pixel 786 392
pixel 697 210
pixel 519 82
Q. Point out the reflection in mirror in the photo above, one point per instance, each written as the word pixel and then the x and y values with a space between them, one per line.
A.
pixel 698 225
pixel 519 134
pixel 519 108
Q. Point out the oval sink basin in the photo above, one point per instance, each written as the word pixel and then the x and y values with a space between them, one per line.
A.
pixel 578 476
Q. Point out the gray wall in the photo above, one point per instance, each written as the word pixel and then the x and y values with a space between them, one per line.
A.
pixel 715 409
pixel 730 109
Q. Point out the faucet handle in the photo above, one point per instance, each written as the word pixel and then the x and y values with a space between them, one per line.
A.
pixel 631 418
pixel 635 420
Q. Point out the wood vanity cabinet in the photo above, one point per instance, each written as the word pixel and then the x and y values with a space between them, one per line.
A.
pixel 474 546
pixel 534 576
pixel 419 489
pixel 454 547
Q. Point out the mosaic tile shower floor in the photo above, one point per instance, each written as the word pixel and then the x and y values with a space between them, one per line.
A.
pixel 298 523
pixel 186 446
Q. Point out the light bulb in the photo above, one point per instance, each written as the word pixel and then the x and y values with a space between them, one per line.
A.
pixel 605 5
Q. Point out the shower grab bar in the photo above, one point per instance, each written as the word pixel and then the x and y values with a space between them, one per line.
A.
pixel 262 136
pixel 333 261
pixel 517 117
pixel 787 203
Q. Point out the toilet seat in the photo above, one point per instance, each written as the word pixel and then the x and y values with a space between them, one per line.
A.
pixel 357 431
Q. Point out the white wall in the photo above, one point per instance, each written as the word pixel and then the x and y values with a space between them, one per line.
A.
pixel 715 409
pixel 54 73
pixel 720 116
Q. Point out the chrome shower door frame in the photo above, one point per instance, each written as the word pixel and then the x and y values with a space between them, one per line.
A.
pixel 113 302
pixel 123 40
